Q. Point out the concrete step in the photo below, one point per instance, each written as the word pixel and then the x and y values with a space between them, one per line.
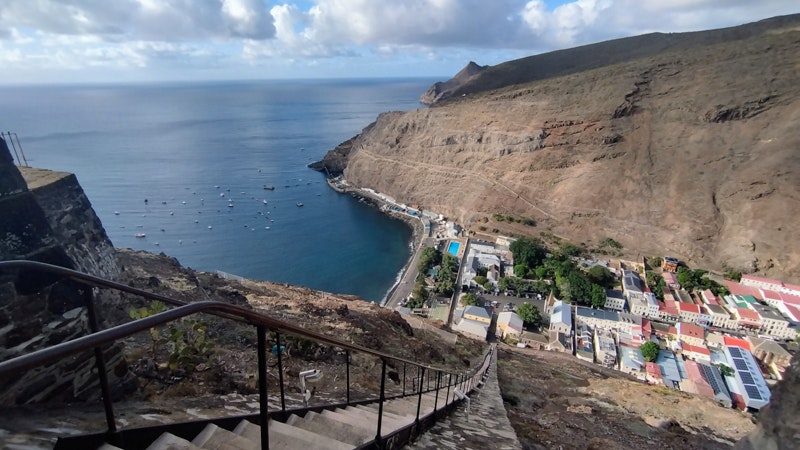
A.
pixel 408 407
pixel 352 421
pixel 388 423
pixel 373 408
pixel 283 436
pixel 215 438
pixel 334 429
pixel 389 410
pixel 169 441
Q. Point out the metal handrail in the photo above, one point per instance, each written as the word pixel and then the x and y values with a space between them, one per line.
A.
pixel 225 310
pixel 96 339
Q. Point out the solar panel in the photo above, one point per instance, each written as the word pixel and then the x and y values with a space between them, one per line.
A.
pixel 735 352
pixel 752 392
pixel 747 378
pixel 740 364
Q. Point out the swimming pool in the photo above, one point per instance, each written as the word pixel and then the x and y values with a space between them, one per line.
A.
pixel 453 247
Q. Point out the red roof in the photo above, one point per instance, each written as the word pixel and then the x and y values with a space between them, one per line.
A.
pixel 672 310
pixel 700 349
pixel 670 278
pixel 794 311
pixel 748 314
pixel 691 330
pixel 652 369
pixel 647 329
pixel 790 299
pixel 710 298
pixel 689 307
pixel 731 341
pixel 762 280
pixel 673 330
pixel 740 289
pixel 793 287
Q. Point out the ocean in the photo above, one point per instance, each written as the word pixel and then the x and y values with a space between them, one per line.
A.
pixel 185 165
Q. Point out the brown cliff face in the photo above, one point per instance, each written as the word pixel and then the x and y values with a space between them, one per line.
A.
pixel 692 153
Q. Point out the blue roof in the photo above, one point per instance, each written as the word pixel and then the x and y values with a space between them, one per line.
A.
pixel 669 367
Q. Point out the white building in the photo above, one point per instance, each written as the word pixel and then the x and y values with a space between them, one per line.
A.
pixel 747 385
pixel 646 306
pixel 561 318
pixel 774 324
pixel 508 324
pixel 615 300
pixel 605 349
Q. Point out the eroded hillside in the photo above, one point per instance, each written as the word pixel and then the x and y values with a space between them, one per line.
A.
pixel 692 153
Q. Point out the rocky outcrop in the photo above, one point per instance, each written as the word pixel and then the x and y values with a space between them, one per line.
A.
pixel 442 90
pixel 690 153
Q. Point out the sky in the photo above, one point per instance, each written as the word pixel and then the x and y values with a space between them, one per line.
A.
pixel 80 41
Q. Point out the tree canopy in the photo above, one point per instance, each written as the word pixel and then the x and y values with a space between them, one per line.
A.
pixel 529 314
pixel 470 299
pixel 528 251
pixel 649 350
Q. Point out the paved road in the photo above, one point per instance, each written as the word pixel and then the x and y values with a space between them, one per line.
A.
pixel 407 282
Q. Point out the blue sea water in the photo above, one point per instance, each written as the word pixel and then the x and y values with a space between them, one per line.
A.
pixel 193 149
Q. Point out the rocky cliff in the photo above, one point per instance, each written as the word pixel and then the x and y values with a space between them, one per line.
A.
pixel 47 218
pixel 690 152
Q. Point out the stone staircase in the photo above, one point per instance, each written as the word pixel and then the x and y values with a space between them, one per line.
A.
pixel 481 423
pixel 340 428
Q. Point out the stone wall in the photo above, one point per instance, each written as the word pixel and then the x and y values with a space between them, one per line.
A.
pixel 75 225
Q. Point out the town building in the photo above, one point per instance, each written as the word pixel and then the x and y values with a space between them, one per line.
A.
pixel 705 380
pixel 670 374
pixel 670 264
pixel 696 352
pixel 477 313
pixel 653 375
pixel 509 324
pixel 629 324
pixel 690 333
pixel 584 349
pixel 475 261
pixel 536 341
pixel 605 349
pixel 709 297
pixel 560 342
pixel 646 306
pixel 720 317
pixel 596 318
pixel 715 340
pixel 770 353
pixel 632 285
pixel 671 280
pixel 690 312
pixel 615 300
pixel 774 324
pixel 561 317
pixel 747 385
pixel 473 328
pixel 747 318
pixel 632 362
pixel 667 311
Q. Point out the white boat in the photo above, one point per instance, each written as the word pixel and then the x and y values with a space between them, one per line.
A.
pixel 299 203
pixel 140 235
pixel 269 187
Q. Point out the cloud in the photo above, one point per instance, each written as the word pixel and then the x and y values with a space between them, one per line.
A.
pixel 151 35
pixel 156 20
